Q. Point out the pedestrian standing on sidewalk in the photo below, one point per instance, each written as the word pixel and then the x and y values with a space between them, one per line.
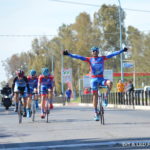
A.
pixel 68 94
pixel 120 91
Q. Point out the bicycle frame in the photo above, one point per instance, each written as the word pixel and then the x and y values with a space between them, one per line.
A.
pixel 33 107
pixel 101 108
pixel 20 107
pixel 47 109
pixel 100 101
pixel 46 105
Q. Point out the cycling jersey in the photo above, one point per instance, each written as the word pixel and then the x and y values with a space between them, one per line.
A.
pixel 96 63
pixel 20 85
pixel 33 82
pixel 96 68
pixel 45 83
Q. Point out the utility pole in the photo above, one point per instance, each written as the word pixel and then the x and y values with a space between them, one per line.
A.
pixel 62 69
pixel 121 55
pixel 52 63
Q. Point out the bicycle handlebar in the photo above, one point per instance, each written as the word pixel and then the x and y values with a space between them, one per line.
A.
pixel 103 86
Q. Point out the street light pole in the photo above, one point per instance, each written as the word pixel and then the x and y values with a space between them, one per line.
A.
pixel 133 70
pixel 121 55
pixel 62 69
pixel 52 63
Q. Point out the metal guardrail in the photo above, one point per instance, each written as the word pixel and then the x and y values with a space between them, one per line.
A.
pixel 133 98
pixel 59 99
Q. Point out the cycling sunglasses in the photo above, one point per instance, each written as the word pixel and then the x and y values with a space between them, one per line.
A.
pixel 95 51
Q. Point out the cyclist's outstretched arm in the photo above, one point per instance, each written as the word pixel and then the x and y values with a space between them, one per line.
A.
pixel 65 52
pixel 77 57
pixel 117 53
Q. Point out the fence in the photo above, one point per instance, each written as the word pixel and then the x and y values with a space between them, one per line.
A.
pixel 134 98
pixel 59 99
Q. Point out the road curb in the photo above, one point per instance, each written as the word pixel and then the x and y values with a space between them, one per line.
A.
pixel 119 106
pixel 135 107
pixel 129 107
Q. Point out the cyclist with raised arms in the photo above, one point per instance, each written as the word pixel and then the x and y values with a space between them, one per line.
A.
pixel 33 82
pixel 45 88
pixel 96 63
pixel 20 84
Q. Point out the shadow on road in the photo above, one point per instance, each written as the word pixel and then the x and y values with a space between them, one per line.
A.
pixel 4 134
pixel 79 144
pixel 10 111
pixel 63 120
pixel 79 108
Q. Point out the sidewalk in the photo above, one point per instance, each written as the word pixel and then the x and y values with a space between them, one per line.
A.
pixel 135 107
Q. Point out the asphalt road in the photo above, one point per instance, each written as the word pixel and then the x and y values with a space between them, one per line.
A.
pixel 72 127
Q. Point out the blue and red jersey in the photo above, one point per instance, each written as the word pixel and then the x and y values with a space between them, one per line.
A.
pixel 96 63
pixel 46 81
pixel 32 81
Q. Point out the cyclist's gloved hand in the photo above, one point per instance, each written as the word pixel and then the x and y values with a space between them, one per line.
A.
pixel 125 49
pixel 65 52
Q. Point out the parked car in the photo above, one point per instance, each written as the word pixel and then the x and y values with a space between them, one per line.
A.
pixel 139 90
pixel 146 88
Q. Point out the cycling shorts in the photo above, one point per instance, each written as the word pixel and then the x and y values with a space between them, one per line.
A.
pixel 18 89
pixel 44 89
pixel 32 90
pixel 96 82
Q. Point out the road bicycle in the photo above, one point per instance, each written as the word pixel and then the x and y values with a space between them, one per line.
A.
pixel 20 107
pixel 47 111
pixel 33 107
pixel 101 103
pixel 47 107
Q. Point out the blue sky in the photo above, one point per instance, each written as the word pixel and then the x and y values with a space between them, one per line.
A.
pixel 44 17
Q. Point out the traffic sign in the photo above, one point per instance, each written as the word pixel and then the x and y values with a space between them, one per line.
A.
pixel 67 75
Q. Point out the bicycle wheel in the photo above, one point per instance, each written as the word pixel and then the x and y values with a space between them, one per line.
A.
pixel 101 111
pixel 47 111
pixel 33 109
pixel 20 111
pixel 102 114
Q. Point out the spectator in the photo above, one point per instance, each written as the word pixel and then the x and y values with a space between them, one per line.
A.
pixel 130 90
pixel 130 87
pixel 120 90
pixel 68 94
pixel 125 85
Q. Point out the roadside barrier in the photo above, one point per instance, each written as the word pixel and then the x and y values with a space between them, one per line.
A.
pixel 141 98
pixel 59 99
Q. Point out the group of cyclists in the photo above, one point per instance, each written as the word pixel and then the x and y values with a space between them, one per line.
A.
pixel 31 87
pixel 44 84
